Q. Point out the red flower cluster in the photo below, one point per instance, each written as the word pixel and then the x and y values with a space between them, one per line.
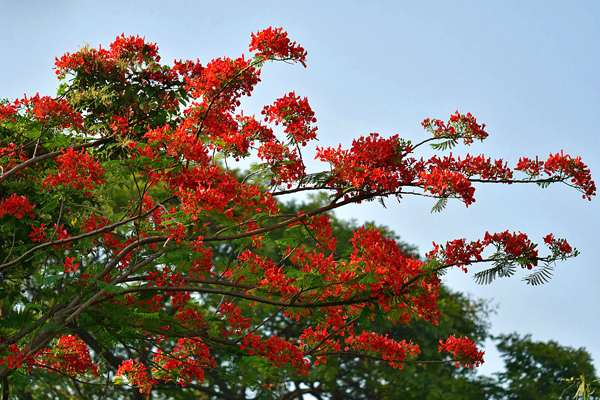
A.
pixel 38 234
pixel 286 165
pixel 296 116
pixel 94 223
pixel 222 82
pixel 463 350
pixel 390 350
pixel 124 50
pixel 234 318
pixel 175 144
pixel 449 176
pixel 11 156
pixel 458 127
pixel 485 168
pixel 274 44
pixel 45 109
pixel 460 253
pixel 372 164
pixel 137 48
pixel 76 169
pixel 393 276
pixel 266 274
pixel 186 363
pixel 137 374
pixel 70 266
pixel 561 167
pixel 8 111
pixel 444 183
pixel 277 350
pixel 191 317
pixel 61 233
pixel 513 245
pixel 69 356
pixel 57 111
pixel 558 245
pixel 127 69
pixel 15 358
pixel 17 206
pixel 319 228
pixel 203 190
pixel 254 130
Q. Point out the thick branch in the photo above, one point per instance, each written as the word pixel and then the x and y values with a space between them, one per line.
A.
pixel 48 156
pixel 246 296
pixel 106 228
pixel 298 218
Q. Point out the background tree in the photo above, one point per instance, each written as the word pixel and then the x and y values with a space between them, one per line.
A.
pixel 125 232
pixel 538 370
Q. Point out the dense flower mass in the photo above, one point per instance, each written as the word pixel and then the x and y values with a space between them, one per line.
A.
pixel 296 115
pixel 69 356
pixel 274 44
pixel 459 126
pixel 373 163
pixel 59 111
pixel 561 167
pixel 186 363
pixel 76 169
pixel 137 374
pixel 508 245
pixel 8 111
pixel 128 228
pixel 17 206
pixel 391 351
pixel 463 350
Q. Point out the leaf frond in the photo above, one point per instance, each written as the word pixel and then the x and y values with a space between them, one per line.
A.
pixel 541 276
pixel 440 205
pixel 503 269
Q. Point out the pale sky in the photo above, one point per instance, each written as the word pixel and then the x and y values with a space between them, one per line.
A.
pixel 528 70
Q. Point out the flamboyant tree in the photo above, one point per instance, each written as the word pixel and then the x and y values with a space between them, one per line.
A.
pixel 128 243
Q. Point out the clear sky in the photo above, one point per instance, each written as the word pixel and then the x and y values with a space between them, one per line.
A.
pixel 528 70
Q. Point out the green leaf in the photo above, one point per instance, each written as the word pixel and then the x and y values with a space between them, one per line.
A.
pixel 541 276
pixel 440 205
pixel 443 146
pixel 110 288
pixel 503 269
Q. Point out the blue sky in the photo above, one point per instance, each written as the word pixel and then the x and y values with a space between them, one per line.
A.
pixel 528 70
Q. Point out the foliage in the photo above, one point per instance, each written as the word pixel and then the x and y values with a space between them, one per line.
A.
pixel 540 370
pixel 585 387
pixel 129 245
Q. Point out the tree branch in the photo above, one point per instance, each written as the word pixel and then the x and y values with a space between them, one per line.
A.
pixel 48 156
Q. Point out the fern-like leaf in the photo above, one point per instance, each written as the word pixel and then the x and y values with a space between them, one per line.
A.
pixel 504 269
pixel 440 205
pixel 541 276
pixel 443 146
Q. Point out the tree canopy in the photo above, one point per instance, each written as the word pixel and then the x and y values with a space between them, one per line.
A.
pixel 132 254
pixel 538 370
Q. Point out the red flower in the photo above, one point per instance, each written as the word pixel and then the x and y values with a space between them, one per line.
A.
pixel 76 169
pixel 464 351
pixel 69 266
pixel 274 44
pixel 296 115
pixel 137 375
pixel 17 206
pixel 69 356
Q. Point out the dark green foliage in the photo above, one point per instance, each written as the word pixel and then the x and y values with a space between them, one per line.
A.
pixel 537 370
